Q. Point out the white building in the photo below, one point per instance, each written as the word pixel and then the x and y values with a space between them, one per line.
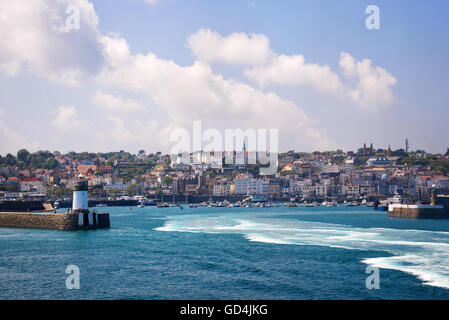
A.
pixel 241 183
pixel 32 184
pixel 257 187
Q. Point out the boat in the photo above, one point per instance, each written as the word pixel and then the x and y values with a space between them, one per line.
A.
pixel 258 199
pixel 395 200
pixel 383 206
pixel 162 205
pixel 149 203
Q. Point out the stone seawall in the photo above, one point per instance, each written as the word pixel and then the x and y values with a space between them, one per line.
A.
pixel 413 212
pixel 21 206
pixel 38 220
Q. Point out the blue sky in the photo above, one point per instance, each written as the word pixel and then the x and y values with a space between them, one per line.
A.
pixel 103 110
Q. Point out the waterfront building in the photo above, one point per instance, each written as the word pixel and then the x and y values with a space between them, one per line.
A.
pixel 241 183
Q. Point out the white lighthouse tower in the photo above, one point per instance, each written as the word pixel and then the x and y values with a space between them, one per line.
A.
pixel 80 207
pixel 80 200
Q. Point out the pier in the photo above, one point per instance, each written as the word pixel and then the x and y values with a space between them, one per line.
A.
pixel 79 218
pixel 438 209
pixel 51 220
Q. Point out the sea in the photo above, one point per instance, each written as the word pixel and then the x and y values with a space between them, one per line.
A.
pixel 231 253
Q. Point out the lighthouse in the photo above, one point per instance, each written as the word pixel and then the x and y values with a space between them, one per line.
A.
pixel 80 206
pixel 80 201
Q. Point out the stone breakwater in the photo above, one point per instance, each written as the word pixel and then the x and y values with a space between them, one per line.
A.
pixel 50 220
pixel 438 211
pixel 418 212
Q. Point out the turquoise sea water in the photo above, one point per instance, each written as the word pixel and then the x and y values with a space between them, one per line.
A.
pixel 231 253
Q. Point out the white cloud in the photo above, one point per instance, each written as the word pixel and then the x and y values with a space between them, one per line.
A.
pixel 116 104
pixel 67 119
pixel 196 93
pixel 181 93
pixel 35 39
pixel 374 84
pixel 237 48
pixel 293 70
pixel 372 90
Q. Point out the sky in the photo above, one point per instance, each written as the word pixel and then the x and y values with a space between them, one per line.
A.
pixel 136 71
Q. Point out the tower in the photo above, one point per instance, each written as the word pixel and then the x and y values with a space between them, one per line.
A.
pixel 245 154
pixel 407 145
pixel 433 195
pixel 80 200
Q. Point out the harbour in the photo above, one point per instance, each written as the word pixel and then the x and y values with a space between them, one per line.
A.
pixel 231 253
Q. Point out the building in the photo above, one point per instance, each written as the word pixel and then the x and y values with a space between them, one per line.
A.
pixel 241 183
pixel 32 184
pixel 378 161
pixel 223 188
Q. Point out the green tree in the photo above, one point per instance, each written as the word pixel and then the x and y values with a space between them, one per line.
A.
pixel 10 160
pixel 62 192
pixel 51 163
pixel 97 191
pixel 113 192
pixel 22 155
pixel 167 180
pixel 133 190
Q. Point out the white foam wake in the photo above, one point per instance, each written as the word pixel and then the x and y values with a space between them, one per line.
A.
pixel 424 254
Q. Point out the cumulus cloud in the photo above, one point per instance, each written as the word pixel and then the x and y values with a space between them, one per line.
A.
pixel 372 89
pixel 293 70
pixel 196 92
pixel 35 38
pixel 180 93
pixel 237 48
pixel 116 103
pixel 374 84
pixel 67 119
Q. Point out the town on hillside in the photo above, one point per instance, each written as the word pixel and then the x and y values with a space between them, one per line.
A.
pixel 367 172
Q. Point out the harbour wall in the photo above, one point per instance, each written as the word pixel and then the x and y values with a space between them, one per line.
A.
pixel 109 203
pixel 419 212
pixel 21 206
pixel 45 220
